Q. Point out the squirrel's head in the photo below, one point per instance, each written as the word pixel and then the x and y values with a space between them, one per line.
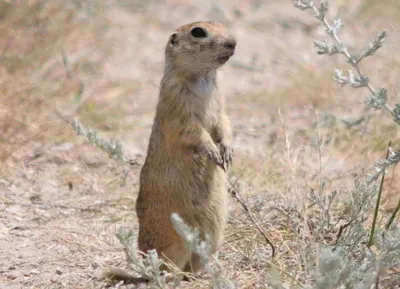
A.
pixel 199 47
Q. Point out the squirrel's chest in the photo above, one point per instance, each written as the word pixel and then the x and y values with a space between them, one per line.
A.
pixel 205 102
pixel 207 111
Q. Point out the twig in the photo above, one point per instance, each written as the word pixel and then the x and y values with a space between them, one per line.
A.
pixel 378 98
pixel 381 165
pixel 341 230
pixel 235 194
pixel 371 237
pixel 393 216
pixel 317 128
pixel 354 61
pixel 287 142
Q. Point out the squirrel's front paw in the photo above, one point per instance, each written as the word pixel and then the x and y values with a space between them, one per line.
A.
pixel 214 155
pixel 226 153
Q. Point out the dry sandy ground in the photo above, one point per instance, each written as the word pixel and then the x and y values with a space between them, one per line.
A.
pixel 60 198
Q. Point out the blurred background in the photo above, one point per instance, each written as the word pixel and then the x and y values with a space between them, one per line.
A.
pixel 101 62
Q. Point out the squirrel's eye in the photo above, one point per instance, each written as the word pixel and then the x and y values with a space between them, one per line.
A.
pixel 198 32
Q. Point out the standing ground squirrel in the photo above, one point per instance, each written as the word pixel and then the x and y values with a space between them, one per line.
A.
pixel 189 148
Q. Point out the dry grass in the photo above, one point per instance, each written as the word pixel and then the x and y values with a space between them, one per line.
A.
pixel 60 201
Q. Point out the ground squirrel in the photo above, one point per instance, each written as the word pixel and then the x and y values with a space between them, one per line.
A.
pixel 189 148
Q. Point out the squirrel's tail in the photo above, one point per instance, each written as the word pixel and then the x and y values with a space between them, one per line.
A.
pixel 116 274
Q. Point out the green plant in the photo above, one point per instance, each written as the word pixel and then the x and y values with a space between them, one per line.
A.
pixel 146 264
pixel 378 98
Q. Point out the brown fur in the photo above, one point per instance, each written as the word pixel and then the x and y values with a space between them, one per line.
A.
pixel 189 147
pixel 116 274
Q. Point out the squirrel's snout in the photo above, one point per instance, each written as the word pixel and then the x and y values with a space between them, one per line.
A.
pixel 230 43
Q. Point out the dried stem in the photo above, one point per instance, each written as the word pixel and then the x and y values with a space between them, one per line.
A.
pixel 236 195
pixel 393 216
pixel 378 201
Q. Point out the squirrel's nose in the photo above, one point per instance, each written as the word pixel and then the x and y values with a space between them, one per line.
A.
pixel 230 43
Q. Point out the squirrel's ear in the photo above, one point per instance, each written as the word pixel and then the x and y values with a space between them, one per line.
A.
pixel 172 39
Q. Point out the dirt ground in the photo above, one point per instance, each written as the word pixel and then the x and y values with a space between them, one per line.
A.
pixel 61 202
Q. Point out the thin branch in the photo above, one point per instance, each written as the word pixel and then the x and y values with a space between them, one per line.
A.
pixel 393 216
pixel 353 60
pixel 378 201
pixel 378 99
pixel 381 165
pixel 236 195
pixel 341 230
